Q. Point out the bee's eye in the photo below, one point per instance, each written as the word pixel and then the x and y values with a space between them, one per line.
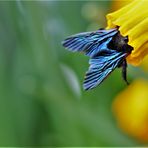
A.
pixel 126 39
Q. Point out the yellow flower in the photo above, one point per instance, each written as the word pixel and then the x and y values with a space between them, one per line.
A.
pixel 133 22
pixel 131 110
pixel 116 4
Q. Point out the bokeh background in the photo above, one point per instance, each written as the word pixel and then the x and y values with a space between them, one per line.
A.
pixel 42 102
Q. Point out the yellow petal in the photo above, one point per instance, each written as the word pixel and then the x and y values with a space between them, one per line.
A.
pixel 133 22
pixel 116 4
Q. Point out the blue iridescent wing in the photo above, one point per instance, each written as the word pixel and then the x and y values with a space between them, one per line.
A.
pixel 91 43
pixel 101 67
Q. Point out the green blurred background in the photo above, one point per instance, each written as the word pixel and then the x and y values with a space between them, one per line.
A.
pixel 42 102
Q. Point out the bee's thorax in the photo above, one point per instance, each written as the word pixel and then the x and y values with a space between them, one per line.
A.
pixel 120 43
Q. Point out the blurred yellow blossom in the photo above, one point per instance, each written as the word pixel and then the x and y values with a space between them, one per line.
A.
pixel 133 22
pixel 131 110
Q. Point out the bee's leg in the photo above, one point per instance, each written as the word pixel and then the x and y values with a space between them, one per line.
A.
pixel 124 69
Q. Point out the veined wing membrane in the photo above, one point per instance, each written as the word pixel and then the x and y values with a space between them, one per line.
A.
pixel 101 67
pixel 91 43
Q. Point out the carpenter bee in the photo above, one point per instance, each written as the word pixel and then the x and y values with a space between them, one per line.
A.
pixel 107 50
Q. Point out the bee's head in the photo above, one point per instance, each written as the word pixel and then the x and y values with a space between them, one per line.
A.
pixel 120 43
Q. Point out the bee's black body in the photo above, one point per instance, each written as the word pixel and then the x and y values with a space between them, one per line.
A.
pixel 107 50
pixel 119 43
